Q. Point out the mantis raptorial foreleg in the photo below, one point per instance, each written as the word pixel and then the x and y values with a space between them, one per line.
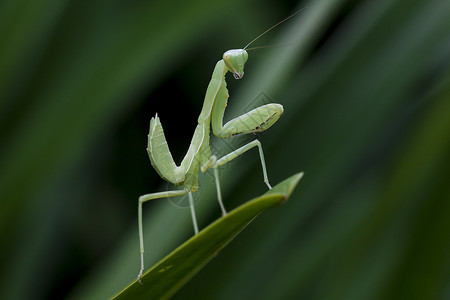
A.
pixel 256 120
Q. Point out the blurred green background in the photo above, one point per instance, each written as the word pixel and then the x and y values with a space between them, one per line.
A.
pixel 366 91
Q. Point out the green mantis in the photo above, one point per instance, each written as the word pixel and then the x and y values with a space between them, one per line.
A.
pixel 199 157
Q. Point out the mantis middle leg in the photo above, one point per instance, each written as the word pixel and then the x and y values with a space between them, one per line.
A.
pixel 237 152
pixel 215 163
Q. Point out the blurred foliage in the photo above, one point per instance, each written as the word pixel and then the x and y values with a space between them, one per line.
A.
pixel 366 91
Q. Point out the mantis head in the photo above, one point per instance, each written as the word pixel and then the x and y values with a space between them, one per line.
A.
pixel 235 60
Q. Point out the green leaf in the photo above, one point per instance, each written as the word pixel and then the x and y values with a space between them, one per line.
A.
pixel 171 273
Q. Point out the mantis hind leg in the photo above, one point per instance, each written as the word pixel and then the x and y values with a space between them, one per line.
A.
pixel 194 218
pixel 153 196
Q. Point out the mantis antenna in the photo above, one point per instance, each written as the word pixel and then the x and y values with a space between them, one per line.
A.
pixel 270 46
pixel 266 31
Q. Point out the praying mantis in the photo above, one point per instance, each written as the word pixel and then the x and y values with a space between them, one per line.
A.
pixel 198 156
